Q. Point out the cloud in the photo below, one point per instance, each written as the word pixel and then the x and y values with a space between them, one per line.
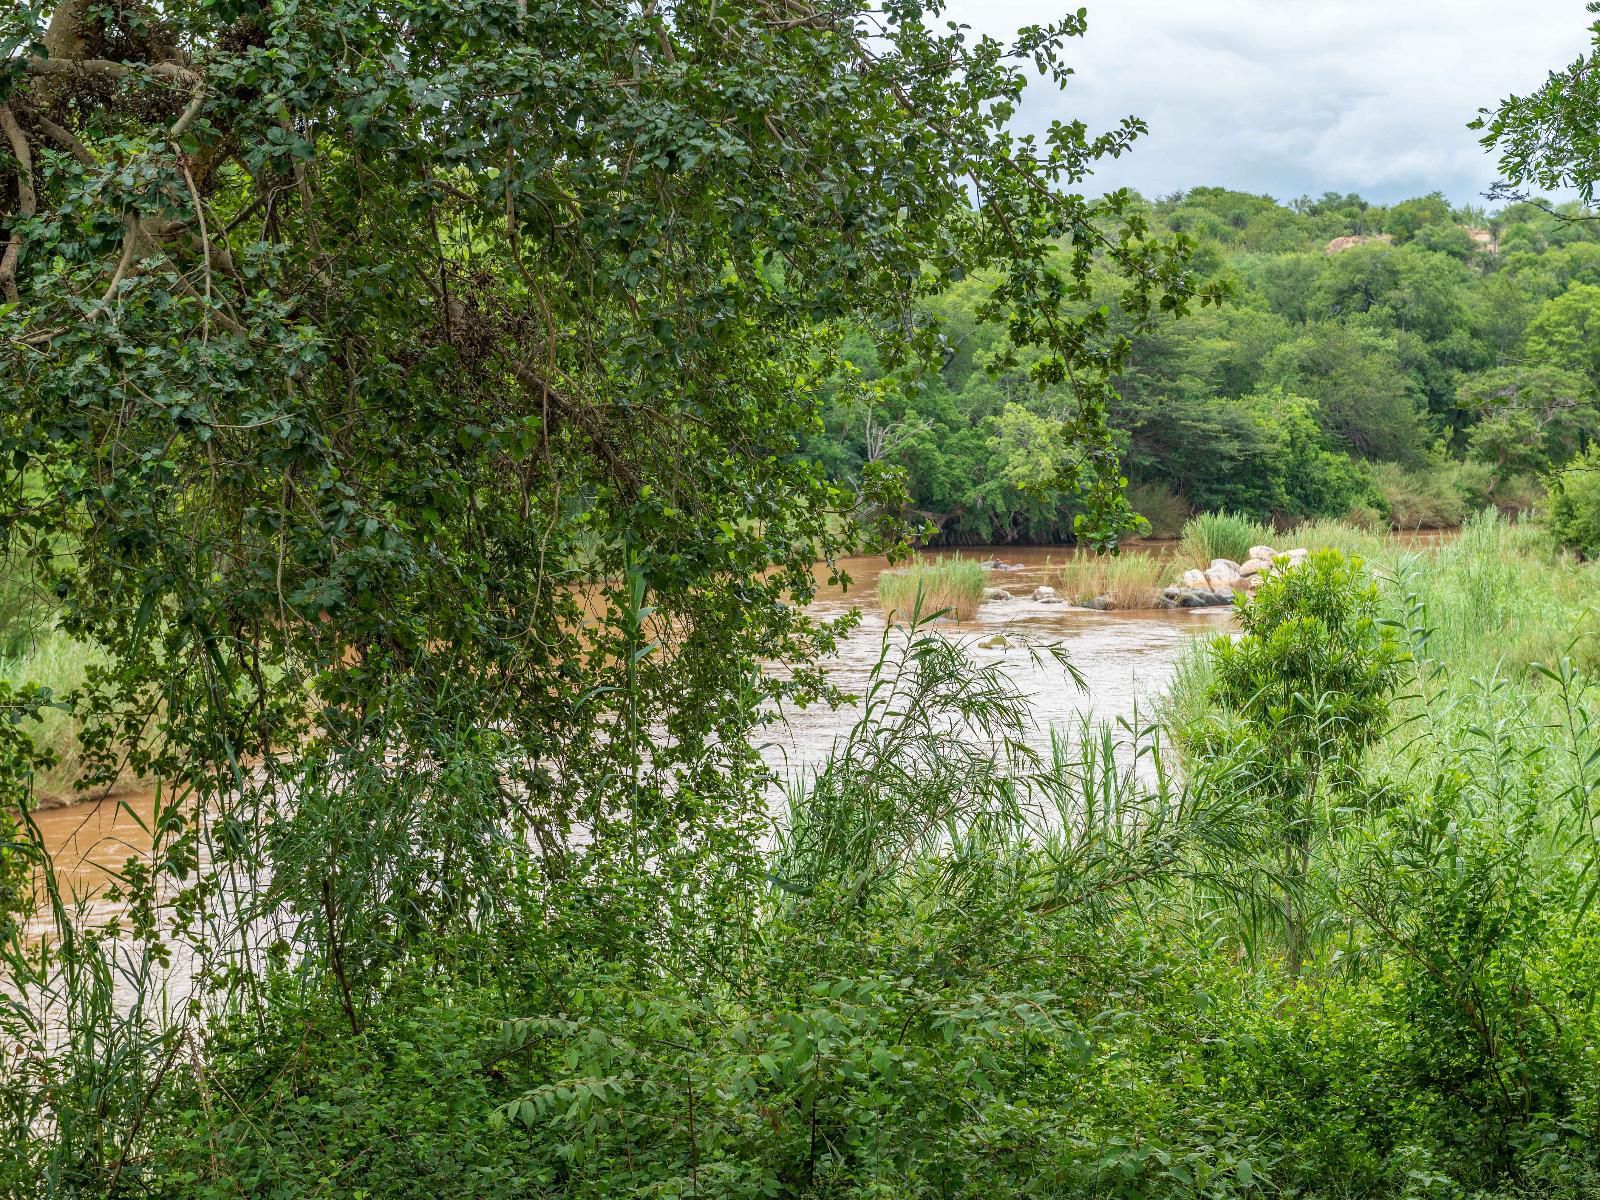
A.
pixel 1290 97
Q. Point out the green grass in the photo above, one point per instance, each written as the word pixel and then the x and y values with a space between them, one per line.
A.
pixel 948 586
pixel 1131 580
pixel 1221 535
pixel 1328 534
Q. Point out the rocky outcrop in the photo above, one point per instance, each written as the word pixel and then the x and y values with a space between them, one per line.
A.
pixel 1340 244
pixel 1220 582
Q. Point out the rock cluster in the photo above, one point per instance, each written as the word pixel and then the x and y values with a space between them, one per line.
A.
pixel 1224 578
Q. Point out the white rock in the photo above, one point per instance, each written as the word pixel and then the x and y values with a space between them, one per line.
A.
pixel 996 594
pixel 1251 567
pixel 1194 579
pixel 1045 595
pixel 1224 568
pixel 1263 553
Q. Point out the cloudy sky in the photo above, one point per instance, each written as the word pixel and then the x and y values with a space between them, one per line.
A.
pixel 1293 97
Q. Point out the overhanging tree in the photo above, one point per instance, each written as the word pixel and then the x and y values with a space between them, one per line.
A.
pixel 409 398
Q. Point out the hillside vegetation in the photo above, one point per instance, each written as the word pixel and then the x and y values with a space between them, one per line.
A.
pixel 1404 365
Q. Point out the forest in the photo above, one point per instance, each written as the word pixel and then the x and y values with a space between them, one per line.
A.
pixel 1403 365
pixel 438 436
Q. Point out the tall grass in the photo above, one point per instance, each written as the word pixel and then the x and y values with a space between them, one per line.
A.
pixel 1221 535
pixel 1328 534
pixel 1125 581
pixel 950 587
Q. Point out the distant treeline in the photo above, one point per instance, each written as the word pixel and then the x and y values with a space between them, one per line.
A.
pixel 1404 364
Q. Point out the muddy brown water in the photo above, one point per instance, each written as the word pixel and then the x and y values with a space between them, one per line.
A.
pixel 1126 659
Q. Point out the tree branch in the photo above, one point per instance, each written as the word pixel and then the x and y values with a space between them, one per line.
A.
pixel 105 68
pixel 27 199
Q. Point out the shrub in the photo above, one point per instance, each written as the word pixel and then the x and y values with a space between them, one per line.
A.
pixel 1304 690
pixel 1425 499
pixel 950 587
pixel 1131 580
pixel 1221 535
pixel 1161 506
pixel 1574 513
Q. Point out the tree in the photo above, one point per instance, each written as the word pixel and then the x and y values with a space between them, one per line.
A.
pixel 1565 332
pixel 1527 419
pixel 422 389
pixel 1550 138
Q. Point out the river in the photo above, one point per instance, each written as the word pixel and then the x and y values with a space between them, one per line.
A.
pixel 1126 660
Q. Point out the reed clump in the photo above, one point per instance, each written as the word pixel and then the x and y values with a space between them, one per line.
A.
pixel 1221 535
pixel 951 587
pixel 1123 581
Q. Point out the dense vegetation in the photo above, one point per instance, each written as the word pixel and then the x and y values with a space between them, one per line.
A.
pixel 1405 365
pixel 423 421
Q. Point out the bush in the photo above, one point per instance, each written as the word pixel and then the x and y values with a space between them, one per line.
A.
pixel 1574 513
pixel 1221 535
pixel 1423 499
pixel 1161 506
pixel 1130 580
pixel 950 587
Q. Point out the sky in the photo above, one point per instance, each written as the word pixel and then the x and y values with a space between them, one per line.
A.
pixel 1296 97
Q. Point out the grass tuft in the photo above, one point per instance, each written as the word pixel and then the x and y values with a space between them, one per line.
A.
pixel 1221 535
pixel 1128 581
pixel 951 587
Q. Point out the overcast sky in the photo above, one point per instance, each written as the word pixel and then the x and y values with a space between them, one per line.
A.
pixel 1293 97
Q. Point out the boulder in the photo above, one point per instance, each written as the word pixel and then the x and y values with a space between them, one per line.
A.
pixel 996 594
pixel 1263 553
pixel 1222 582
pixel 1046 595
pixel 1098 602
pixel 1225 568
pixel 1251 567
pixel 1194 579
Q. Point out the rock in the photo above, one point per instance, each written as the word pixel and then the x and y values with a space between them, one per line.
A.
pixel 1044 594
pixel 1221 598
pixel 1098 602
pixel 1252 567
pixel 1192 600
pixel 990 564
pixel 1263 553
pixel 1223 583
pixel 996 594
pixel 1194 579
pixel 1224 567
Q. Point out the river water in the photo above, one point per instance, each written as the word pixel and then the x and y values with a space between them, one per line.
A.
pixel 1126 660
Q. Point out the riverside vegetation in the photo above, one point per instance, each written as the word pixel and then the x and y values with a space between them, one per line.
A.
pixel 422 423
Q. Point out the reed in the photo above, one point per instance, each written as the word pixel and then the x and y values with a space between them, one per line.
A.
pixel 951 587
pixel 1122 581
pixel 1221 535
